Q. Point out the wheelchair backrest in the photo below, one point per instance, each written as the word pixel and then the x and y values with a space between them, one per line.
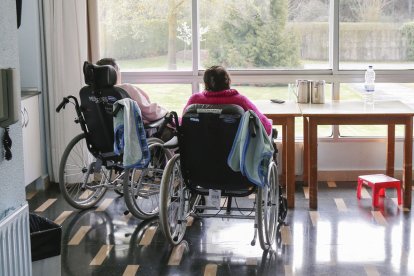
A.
pixel 97 99
pixel 206 137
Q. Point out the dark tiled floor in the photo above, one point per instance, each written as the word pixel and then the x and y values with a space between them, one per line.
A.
pixel 352 239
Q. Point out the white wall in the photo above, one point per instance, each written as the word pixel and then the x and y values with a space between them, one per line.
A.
pixel 30 58
pixel 29 46
pixel 12 192
pixel 353 156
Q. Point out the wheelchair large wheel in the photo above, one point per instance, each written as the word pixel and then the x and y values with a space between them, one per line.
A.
pixel 175 202
pixel 142 186
pixel 81 185
pixel 268 209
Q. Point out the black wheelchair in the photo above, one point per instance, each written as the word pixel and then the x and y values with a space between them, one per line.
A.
pixel 205 139
pixel 89 165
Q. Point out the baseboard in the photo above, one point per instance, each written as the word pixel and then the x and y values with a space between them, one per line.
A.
pixel 46 181
pixel 347 175
pixel 42 183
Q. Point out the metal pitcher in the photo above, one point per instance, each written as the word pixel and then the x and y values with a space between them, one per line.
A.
pixel 317 92
pixel 302 91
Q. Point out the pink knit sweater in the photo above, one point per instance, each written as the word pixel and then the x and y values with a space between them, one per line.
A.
pixel 230 96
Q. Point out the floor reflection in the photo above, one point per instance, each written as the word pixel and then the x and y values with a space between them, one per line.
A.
pixel 350 239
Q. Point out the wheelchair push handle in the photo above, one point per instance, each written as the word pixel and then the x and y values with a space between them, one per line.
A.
pixel 62 104
pixel 252 126
pixel 117 108
pixel 66 100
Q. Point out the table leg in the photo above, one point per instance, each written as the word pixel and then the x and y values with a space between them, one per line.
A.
pixel 390 150
pixel 290 162
pixel 407 165
pixel 313 164
pixel 284 155
pixel 305 151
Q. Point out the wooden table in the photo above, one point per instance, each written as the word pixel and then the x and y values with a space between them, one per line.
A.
pixel 388 113
pixel 284 114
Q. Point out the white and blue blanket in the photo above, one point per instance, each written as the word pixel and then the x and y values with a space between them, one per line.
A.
pixel 251 155
pixel 130 138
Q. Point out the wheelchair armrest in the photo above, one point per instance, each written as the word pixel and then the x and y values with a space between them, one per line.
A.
pixel 172 143
pixel 155 124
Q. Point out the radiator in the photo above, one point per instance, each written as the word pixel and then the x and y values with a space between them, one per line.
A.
pixel 15 256
pixel 298 157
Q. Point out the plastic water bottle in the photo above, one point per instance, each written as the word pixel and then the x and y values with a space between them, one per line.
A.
pixel 369 85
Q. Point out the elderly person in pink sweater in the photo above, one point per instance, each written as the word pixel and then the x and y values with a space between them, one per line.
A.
pixel 217 91
pixel 150 111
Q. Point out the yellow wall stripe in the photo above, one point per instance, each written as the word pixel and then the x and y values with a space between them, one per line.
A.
pixel 286 235
pixel 102 254
pixel 288 270
pixel 86 194
pixel 314 215
pixel 371 270
pixel 306 192
pixel 176 254
pixel 340 204
pixel 364 193
pixel 331 184
pixel 77 238
pixel 190 220
pixel 30 195
pixel 148 235
pixel 251 261
pixel 45 205
pixel 104 205
pixel 210 270
pixel 131 270
pixel 62 217
pixel 379 218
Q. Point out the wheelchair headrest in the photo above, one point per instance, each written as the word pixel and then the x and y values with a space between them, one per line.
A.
pixel 215 108
pixel 99 76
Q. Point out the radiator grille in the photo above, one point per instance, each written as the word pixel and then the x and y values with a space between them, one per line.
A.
pixel 15 256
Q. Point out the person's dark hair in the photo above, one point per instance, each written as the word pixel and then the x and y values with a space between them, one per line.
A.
pixel 216 79
pixel 108 61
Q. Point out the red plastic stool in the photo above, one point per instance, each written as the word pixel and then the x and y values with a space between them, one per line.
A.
pixel 378 183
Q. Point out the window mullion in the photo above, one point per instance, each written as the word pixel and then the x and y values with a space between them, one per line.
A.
pixel 334 54
pixel 195 27
pixel 334 36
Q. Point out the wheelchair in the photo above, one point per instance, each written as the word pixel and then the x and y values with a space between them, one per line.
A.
pixel 89 166
pixel 205 139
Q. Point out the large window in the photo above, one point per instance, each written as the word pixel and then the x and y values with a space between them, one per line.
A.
pixel 266 44
pixel 170 96
pixel 264 34
pixel 376 32
pixel 146 35
pixel 383 91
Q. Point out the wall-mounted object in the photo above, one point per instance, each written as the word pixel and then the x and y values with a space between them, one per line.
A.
pixel 19 12
pixel 9 97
